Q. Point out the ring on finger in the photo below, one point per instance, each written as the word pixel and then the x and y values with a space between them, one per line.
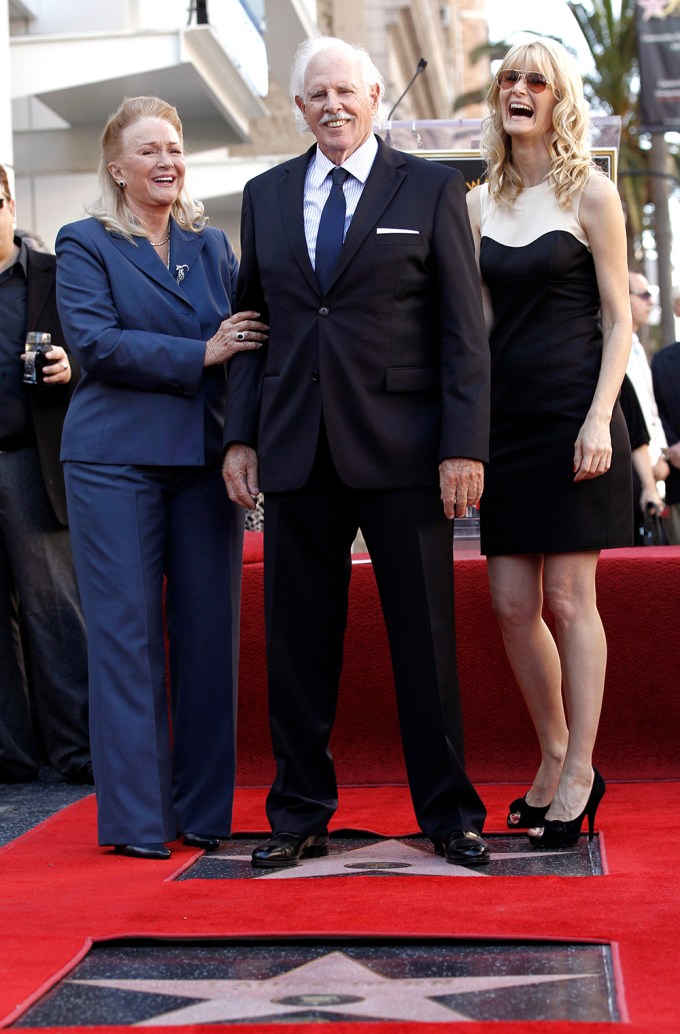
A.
pixel 240 336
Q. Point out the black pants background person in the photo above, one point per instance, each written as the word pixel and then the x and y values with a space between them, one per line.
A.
pixel 43 657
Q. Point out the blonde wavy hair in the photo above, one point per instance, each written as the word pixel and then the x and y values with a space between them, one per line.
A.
pixel 111 209
pixel 571 162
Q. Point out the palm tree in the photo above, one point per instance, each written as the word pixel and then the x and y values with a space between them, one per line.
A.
pixel 613 88
pixel 643 172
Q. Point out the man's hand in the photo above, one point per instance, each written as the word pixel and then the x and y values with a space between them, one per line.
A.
pixel 461 482
pixel 239 471
pixel 672 455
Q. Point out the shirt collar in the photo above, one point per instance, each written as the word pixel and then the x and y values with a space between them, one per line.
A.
pixel 22 257
pixel 359 163
pixel 21 261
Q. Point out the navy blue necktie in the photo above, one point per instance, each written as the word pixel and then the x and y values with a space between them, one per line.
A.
pixel 331 230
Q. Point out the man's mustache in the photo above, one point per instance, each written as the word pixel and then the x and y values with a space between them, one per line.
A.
pixel 325 119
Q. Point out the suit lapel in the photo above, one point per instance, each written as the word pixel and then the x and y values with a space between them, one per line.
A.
pixel 185 247
pixel 292 192
pixel 384 180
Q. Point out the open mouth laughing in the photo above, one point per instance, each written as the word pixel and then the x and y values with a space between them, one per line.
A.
pixel 517 109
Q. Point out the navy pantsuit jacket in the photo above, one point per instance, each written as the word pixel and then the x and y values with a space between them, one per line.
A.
pixel 144 396
pixel 142 446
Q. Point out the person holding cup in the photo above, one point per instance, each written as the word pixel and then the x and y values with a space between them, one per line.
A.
pixel 43 656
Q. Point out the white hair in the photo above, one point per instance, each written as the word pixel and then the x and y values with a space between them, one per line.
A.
pixel 353 52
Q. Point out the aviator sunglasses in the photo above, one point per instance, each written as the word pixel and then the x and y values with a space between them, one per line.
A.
pixel 645 295
pixel 535 81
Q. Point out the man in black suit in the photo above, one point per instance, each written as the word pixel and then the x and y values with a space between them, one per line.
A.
pixel 43 656
pixel 367 407
pixel 666 382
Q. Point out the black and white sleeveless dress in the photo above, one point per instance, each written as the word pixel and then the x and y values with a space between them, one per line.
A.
pixel 546 349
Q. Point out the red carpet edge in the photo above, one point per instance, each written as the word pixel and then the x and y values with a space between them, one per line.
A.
pixel 60 893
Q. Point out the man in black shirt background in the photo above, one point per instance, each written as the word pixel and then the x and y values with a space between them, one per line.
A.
pixel 43 657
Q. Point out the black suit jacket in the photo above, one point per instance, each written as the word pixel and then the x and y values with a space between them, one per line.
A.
pixel 395 354
pixel 48 405
pixel 666 383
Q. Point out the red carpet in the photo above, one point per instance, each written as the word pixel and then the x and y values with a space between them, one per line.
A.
pixel 639 599
pixel 59 893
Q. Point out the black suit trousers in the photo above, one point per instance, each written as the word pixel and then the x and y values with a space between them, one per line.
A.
pixel 308 538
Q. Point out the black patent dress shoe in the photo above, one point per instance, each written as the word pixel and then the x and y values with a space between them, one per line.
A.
pixel 463 847
pixel 83 776
pixel 205 843
pixel 10 776
pixel 159 852
pixel 288 849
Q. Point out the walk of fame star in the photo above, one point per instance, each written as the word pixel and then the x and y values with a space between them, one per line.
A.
pixel 510 855
pixel 333 982
pixel 653 9
pixel 384 856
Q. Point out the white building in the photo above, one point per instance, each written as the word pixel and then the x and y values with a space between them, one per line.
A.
pixel 65 65
pixel 68 63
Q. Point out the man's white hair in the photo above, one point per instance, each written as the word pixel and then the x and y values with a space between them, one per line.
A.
pixel 356 54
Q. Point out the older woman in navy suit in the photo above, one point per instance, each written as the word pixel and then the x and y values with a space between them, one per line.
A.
pixel 145 296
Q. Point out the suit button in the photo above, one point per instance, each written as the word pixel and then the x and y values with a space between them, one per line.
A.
pixel 323 311
pixel 315 376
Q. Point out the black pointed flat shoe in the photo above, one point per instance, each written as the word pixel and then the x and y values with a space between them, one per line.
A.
pixel 288 849
pixel 528 815
pixel 205 843
pixel 158 852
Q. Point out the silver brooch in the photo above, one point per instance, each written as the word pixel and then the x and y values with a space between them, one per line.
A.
pixel 180 271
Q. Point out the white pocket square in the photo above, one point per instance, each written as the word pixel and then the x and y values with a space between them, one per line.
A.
pixel 393 229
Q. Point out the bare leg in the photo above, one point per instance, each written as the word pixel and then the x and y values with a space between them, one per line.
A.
pixel 517 594
pixel 569 585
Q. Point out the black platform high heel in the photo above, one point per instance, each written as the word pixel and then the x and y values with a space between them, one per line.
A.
pixel 529 814
pixel 566 834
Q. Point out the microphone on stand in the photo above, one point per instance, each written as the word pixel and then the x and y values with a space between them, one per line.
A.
pixel 422 65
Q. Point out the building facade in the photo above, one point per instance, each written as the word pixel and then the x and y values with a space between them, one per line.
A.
pixel 224 63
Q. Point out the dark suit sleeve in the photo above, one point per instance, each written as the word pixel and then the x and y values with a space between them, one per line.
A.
pixel 667 393
pixel 465 357
pixel 246 369
pixel 634 417
pixel 49 406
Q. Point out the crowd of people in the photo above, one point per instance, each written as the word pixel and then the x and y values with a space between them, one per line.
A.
pixel 388 352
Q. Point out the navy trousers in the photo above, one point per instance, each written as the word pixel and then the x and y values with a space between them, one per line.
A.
pixel 130 526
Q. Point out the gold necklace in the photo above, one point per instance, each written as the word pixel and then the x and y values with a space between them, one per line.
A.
pixel 159 244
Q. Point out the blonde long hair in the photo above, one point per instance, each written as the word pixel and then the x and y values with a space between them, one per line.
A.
pixel 571 162
pixel 111 209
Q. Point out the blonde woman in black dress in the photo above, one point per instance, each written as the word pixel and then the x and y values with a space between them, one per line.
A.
pixel 551 246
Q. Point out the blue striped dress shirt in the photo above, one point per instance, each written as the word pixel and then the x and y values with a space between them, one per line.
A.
pixel 318 187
